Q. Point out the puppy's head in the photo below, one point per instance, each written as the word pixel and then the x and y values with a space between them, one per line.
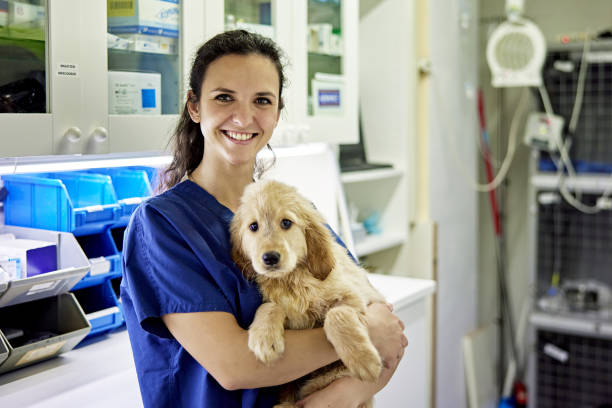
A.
pixel 275 229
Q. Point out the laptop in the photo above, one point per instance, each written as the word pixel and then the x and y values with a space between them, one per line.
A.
pixel 353 156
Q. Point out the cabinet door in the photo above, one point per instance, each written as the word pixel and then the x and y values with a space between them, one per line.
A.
pixel 150 45
pixel 25 114
pixel 326 69
pixel 273 19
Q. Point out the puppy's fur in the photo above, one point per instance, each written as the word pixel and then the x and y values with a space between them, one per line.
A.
pixel 307 280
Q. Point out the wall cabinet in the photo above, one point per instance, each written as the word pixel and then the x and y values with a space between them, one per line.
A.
pixel 91 78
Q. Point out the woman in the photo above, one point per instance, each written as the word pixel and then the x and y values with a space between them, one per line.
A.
pixel 187 306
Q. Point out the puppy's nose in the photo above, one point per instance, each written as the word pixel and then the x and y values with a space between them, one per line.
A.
pixel 271 258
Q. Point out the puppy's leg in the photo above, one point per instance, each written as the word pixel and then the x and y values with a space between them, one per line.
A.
pixel 267 333
pixel 349 335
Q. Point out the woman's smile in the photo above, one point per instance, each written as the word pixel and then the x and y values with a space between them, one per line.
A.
pixel 239 136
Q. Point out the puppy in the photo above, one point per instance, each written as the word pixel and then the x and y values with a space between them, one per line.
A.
pixel 307 280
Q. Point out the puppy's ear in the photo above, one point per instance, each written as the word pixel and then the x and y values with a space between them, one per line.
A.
pixel 318 242
pixel 242 262
pixel 240 259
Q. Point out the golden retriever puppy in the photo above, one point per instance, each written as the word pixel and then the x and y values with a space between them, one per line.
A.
pixel 307 280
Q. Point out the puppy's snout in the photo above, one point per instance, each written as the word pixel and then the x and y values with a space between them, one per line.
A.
pixel 271 258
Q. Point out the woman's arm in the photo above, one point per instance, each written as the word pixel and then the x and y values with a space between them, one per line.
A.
pixel 220 345
pixel 386 332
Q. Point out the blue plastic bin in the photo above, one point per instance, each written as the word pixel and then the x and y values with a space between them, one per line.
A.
pixel 80 203
pixel 101 307
pixel 103 256
pixel 131 186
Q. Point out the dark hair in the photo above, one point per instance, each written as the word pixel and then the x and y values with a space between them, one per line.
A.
pixel 187 140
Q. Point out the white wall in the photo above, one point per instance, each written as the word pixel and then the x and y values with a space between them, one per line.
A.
pixel 453 202
pixel 388 88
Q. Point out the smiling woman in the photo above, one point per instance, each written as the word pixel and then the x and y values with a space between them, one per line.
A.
pixel 187 305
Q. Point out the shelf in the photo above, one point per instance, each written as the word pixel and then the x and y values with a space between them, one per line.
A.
pixel 579 323
pixel 585 182
pixel 378 242
pixel 324 54
pixel 369 175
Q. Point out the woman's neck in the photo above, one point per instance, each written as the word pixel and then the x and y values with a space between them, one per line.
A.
pixel 224 182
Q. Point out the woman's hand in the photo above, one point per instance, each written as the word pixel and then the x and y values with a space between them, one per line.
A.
pixel 386 332
pixel 387 335
pixel 348 392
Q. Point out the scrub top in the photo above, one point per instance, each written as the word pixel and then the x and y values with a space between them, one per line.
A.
pixel 176 259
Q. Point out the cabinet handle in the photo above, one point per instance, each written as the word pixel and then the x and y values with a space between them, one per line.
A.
pixel 73 134
pixel 99 134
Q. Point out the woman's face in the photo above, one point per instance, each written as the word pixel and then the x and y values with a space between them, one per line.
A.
pixel 238 108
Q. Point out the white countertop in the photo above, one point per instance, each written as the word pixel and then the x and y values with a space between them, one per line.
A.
pixel 100 372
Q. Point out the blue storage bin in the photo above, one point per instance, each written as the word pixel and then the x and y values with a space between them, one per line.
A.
pixel 103 256
pixel 101 307
pixel 152 173
pixel 73 202
pixel 131 186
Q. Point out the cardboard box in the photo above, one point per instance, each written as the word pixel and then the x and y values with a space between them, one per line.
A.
pixel 35 256
pixel 154 17
pixel 134 93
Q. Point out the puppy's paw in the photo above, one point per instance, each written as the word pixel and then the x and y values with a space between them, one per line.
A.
pixel 267 344
pixel 365 365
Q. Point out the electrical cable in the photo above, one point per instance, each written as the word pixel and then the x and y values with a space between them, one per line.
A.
pixel 505 167
pixel 564 162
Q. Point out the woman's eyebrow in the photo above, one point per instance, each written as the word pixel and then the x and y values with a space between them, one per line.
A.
pixel 268 94
pixel 224 90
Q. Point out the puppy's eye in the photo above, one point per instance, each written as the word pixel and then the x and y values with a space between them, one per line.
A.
pixel 254 227
pixel 286 224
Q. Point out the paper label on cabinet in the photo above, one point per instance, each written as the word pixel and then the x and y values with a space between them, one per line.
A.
pixel 42 287
pixel 67 70
pixel 40 353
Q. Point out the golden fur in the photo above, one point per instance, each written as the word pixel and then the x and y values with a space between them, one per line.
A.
pixel 310 282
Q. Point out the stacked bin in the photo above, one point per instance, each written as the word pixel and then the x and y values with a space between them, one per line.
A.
pixel 95 205
pixel 49 320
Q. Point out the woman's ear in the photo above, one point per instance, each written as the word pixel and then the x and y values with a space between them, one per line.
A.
pixel 320 258
pixel 193 106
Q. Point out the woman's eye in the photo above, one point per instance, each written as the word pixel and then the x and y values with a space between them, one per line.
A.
pixel 263 101
pixel 286 224
pixel 224 98
pixel 254 227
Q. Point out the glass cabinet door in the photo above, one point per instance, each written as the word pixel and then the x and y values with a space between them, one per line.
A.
pixel 250 15
pixel 325 79
pixel 23 84
pixel 144 75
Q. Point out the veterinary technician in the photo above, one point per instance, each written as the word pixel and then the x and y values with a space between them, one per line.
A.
pixel 187 306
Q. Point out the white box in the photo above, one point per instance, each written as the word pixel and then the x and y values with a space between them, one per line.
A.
pixel 35 257
pixel 327 94
pixel 155 17
pixel 25 14
pixel 134 93
pixel 156 44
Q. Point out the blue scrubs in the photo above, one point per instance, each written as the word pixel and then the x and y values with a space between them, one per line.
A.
pixel 176 259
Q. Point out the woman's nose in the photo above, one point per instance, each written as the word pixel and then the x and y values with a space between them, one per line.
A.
pixel 242 115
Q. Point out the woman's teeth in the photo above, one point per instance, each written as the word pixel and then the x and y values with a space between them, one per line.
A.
pixel 239 135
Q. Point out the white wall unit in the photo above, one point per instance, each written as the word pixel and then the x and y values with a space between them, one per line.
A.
pixel 105 369
pixel 78 119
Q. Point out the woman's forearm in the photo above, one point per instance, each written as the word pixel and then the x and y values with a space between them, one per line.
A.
pixel 220 345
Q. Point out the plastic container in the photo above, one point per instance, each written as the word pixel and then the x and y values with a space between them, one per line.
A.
pixel 131 185
pixel 51 326
pixel 72 264
pixel 80 203
pixel 103 256
pixel 4 353
pixel 101 307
